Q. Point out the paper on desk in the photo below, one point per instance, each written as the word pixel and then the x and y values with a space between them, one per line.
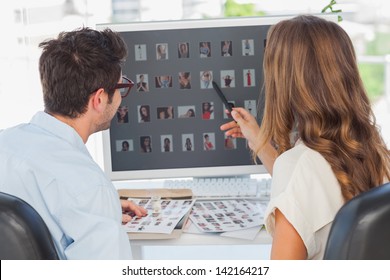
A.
pixel 247 234
pixel 227 215
pixel 161 220
pixel 190 227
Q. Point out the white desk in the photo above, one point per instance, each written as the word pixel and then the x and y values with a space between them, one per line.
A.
pixel 188 239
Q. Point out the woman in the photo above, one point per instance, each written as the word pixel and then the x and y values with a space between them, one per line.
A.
pixel 189 114
pixel 146 144
pixel 183 50
pixel 185 80
pixel 142 85
pixel 207 144
pixel 188 144
pixel 167 145
pixel 122 114
pixel 125 146
pixel 162 52
pixel 144 113
pixel 247 47
pixel 229 143
pixel 312 88
pixel 164 81
pixel 206 77
pixel 225 48
pixel 204 49
pixel 228 80
pixel 207 111
pixel 165 112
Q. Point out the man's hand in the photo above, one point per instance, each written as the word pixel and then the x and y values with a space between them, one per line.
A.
pixel 129 210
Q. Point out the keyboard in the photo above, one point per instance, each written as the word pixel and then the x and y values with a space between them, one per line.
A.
pixel 223 187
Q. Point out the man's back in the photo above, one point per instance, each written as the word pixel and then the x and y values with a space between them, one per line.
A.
pixel 47 164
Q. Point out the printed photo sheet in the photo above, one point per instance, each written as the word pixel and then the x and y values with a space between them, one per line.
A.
pixel 163 215
pixel 227 215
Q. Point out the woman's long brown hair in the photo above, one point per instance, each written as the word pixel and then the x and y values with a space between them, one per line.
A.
pixel 312 79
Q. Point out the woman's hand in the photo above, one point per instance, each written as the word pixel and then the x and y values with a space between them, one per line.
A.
pixel 130 209
pixel 243 126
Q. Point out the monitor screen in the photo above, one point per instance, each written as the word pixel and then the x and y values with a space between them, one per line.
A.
pixel 169 124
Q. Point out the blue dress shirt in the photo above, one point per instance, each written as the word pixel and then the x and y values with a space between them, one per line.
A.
pixel 46 163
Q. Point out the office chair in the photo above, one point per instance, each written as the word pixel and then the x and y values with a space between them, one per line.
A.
pixel 361 228
pixel 23 233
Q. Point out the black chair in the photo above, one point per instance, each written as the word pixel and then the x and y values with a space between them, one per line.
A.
pixel 23 233
pixel 361 228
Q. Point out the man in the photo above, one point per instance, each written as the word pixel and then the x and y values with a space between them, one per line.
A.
pixel 46 163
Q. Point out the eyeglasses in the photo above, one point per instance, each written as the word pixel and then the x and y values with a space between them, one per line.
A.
pixel 125 86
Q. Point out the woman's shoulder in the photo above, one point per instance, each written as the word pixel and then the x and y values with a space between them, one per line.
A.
pixel 302 161
pixel 298 154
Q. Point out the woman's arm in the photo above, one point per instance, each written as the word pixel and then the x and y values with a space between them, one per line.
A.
pixel 287 243
pixel 245 126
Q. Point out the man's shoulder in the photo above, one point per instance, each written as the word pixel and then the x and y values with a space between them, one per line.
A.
pixel 11 135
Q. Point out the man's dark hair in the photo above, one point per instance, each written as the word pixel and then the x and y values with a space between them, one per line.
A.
pixel 75 65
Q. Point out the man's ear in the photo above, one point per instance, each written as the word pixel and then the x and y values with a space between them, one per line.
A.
pixel 98 100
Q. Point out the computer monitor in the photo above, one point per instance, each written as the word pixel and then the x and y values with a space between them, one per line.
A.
pixel 168 126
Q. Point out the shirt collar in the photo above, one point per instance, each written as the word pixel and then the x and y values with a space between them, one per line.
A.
pixel 59 129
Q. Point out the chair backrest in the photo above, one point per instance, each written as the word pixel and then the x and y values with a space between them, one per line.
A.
pixel 361 228
pixel 23 233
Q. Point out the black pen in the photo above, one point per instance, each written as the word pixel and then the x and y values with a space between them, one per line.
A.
pixel 228 105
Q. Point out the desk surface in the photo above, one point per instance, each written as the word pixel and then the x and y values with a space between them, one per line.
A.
pixel 191 239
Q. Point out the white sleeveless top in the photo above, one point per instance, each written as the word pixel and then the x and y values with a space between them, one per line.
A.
pixel 306 191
